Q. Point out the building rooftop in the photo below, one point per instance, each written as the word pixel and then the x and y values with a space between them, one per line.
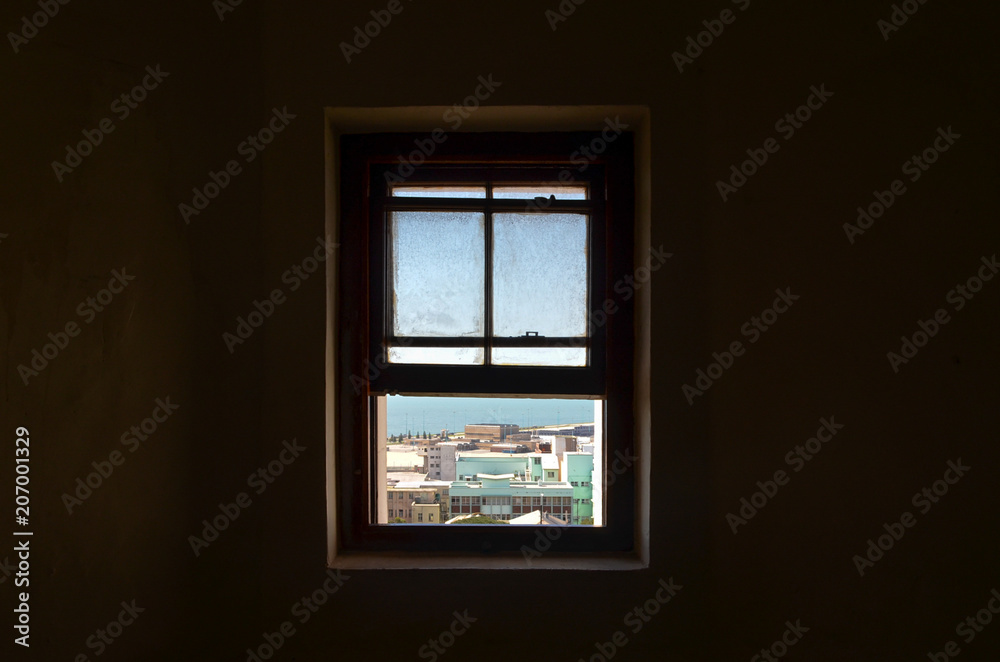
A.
pixel 421 484
pixel 535 517
pixel 482 452
pixel 539 486
pixel 405 476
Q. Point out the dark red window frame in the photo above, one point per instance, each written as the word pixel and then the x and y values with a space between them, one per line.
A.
pixel 361 333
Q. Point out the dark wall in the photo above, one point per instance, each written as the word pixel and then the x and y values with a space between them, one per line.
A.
pixel 826 357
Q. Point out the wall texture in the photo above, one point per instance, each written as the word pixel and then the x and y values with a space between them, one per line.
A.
pixel 226 70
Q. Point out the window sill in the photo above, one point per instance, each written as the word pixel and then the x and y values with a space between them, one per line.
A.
pixel 443 561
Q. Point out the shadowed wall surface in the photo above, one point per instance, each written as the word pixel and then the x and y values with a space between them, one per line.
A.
pixel 213 75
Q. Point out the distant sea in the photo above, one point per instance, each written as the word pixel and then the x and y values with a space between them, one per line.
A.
pixel 432 414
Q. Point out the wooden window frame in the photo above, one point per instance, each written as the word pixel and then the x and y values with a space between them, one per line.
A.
pixel 355 415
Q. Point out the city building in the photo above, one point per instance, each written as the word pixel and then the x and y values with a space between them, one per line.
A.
pixel 502 497
pixel 563 443
pixel 497 432
pixel 439 459
pixel 504 486
pixel 578 470
pixel 418 502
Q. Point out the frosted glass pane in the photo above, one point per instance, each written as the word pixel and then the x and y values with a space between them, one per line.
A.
pixel 540 274
pixel 524 192
pixel 437 355
pixel 439 191
pixel 559 356
pixel 437 269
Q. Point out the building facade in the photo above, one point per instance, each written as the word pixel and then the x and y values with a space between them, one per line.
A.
pixel 439 460
pixel 415 502
pixel 502 498
pixel 497 432
pixel 503 486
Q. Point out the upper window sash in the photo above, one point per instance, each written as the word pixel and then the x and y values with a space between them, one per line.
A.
pixel 483 376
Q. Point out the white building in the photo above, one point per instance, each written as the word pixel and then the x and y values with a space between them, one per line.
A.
pixel 439 460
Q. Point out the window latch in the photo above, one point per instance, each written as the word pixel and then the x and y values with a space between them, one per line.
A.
pixel 531 334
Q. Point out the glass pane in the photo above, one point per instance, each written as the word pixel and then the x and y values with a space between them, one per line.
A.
pixel 439 191
pixel 523 192
pixel 437 355
pixel 541 450
pixel 437 273
pixel 540 274
pixel 558 356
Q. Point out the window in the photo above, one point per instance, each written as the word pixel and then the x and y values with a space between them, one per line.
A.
pixel 489 270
